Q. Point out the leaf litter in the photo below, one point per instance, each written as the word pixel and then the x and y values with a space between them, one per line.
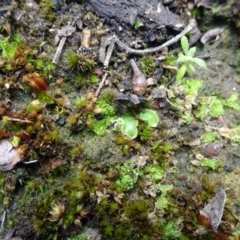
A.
pixel 9 156
pixel 213 211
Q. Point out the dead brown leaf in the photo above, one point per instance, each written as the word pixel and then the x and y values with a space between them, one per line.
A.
pixel 213 211
pixel 9 156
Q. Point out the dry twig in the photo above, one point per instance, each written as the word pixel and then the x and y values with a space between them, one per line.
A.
pixel 110 41
pixel 101 85
pixel 155 49
pixel 59 50
pixel 109 53
pixel 63 39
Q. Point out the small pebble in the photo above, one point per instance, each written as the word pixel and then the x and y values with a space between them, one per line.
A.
pixel 99 116
pixel 212 149
pixel 228 168
pixel 159 192
pixel 61 121
pixel 167 2
pixel 134 165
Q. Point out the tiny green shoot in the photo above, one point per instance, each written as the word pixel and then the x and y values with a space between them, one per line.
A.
pixel 186 60
pixel 232 102
pixel 108 112
pixel 163 202
pixel 128 175
pixel 215 106
pixel 212 164
pixel 15 141
pixel 138 24
pixel 155 173
pixel 8 48
pixel 94 79
pixel 209 137
pixel 39 63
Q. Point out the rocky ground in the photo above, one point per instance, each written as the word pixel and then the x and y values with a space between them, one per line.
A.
pixel 85 154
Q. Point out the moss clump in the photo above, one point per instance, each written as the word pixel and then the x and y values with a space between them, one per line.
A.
pixel 129 124
pixel 215 106
pixel 64 205
pixel 47 9
pixel 191 86
pixel 8 48
pixel 80 102
pixel 155 173
pixel 147 64
pixel 128 175
pixel 107 113
pixel 208 137
pixel 170 230
pixel 145 132
pixel 164 201
pixel 212 164
pixel 72 60
pixel 78 237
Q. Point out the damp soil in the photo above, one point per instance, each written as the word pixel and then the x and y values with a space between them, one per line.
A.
pixel 99 155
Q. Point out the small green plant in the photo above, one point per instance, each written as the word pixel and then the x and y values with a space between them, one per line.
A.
pixel 79 79
pixel 47 9
pixel 164 201
pixel 94 79
pixel 39 63
pixel 2 179
pixel 8 48
pixel 232 101
pixel 72 60
pixel 215 106
pixel 170 230
pixel 209 137
pixel 108 113
pixel 150 117
pixel 80 102
pixel 35 105
pixel 187 60
pixel 138 24
pixel 147 64
pixel 128 124
pixel 145 132
pixel 49 66
pixel 15 141
pixel 78 237
pixel 212 164
pixel 231 133
pixel 217 10
pixel 191 87
pixel 108 230
pixel 155 173
pixel 128 175
pixel 44 98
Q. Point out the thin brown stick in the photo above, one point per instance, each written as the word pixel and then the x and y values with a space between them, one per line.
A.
pixel 17 119
pixel 59 50
pixel 170 67
pixel 109 53
pixel 101 85
pixel 61 44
